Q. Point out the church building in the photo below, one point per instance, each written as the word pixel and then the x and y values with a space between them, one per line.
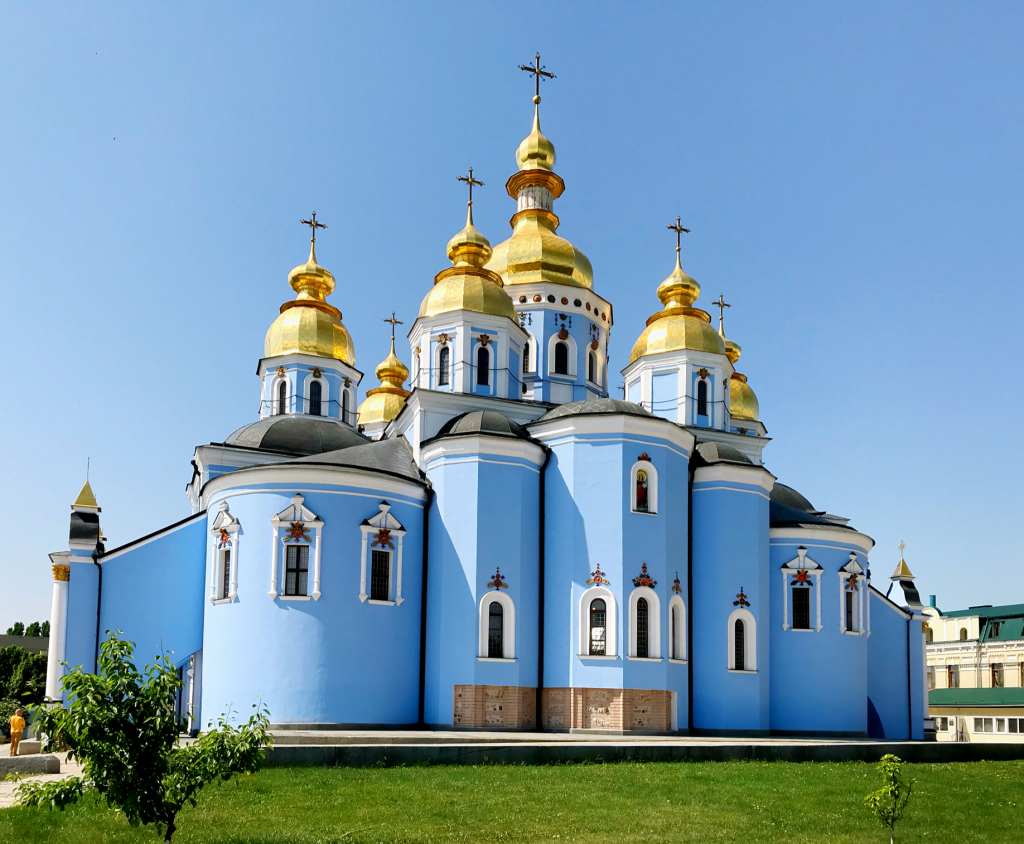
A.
pixel 490 540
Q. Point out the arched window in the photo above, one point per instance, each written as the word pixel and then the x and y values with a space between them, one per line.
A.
pixel 495 631
pixel 963 634
pixel 344 406
pixel 526 357
pixel 598 626
pixel 282 397
pixel 676 628
pixel 483 366
pixel 642 628
pixel 702 398
pixel 561 358
pixel 641 491
pixel 443 360
pixel 674 623
pixel 592 368
pixel 739 646
pixel 315 393
pixel 928 635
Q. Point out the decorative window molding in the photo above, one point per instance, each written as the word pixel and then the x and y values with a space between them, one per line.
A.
pixel 325 394
pixel 553 340
pixel 508 624
pixel 702 402
pixel 489 350
pixel 383 532
pixel 653 622
pixel 798 572
pixel 226 537
pixel 346 409
pixel 850 580
pixel 611 620
pixel 643 464
pixel 530 355
pixel 676 628
pixel 291 527
pixel 749 640
pixel 443 376
pixel 279 408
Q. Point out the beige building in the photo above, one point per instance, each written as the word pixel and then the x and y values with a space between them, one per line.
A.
pixel 975 672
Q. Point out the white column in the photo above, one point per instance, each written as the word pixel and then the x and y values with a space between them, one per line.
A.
pixel 273 565
pixel 362 567
pixel 785 600
pixel 817 598
pixel 398 594
pixel 316 564
pixel 233 562
pixel 58 631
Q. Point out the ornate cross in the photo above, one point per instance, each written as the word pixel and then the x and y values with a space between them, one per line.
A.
pixel 313 224
pixel 469 180
pixel 393 322
pixel 678 229
pixel 722 305
pixel 902 546
pixel 538 71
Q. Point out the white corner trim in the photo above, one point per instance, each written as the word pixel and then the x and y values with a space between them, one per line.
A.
pixel 728 473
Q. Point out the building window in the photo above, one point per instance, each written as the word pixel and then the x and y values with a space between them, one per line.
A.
pixel 598 620
pixel 282 397
pixel 315 394
pixel 676 628
pixel 380 575
pixel 931 678
pixel 1014 725
pixel 344 406
pixel 702 398
pixel 942 725
pixel 983 725
pixel 994 629
pixel 592 368
pixel 641 492
pixel 851 615
pixel 296 569
pixel 801 608
pixel 739 649
pixel 997 675
pixel 561 359
pixel 495 631
pixel 963 634
pixel 673 620
pixel 526 357
pixel 443 361
pixel 928 635
pixel 642 628
pixel 483 366
pixel 225 574
pixel 952 676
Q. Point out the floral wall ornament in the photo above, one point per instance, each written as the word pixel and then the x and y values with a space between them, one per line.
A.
pixel 741 599
pixel 644 579
pixel 563 334
pixel 281 371
pixel 594 345
pixel 224 539
pixel 676 586
pixel 597 577
pixel 645 458
pixel 416 351
pixel 347 381
pixel 297 532
pixel 317 372
pixel 703 373
pixel 382 539
pixel 851 582
pixel 484 339
pixel 443 339
pixel 802 577
pixel 496 582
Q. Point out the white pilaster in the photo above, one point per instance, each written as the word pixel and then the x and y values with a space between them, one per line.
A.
pixel 58 632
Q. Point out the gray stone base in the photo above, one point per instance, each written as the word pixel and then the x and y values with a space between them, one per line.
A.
pixel 25 765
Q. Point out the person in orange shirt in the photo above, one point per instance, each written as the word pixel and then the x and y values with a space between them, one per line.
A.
pixel 17 728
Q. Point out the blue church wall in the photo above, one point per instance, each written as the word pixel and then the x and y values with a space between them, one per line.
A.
pixel 665 394
pixel 543 324
pixel 484 518
pixel 730 556
pixel 335 660
pixel 895 697
pixel 826 666
pixel 83 583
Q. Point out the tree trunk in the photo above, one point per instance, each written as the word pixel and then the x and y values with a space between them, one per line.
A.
pixel 171 827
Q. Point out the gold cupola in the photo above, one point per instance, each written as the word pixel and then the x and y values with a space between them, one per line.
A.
pixel 678 325
pixel 742 401
pixel 467 285
pixel 384 403
pixel 535 253
pixel 307 324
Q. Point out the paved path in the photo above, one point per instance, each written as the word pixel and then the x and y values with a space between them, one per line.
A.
pixel 7 787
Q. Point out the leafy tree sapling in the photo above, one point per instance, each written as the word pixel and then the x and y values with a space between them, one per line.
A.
pixel 890 801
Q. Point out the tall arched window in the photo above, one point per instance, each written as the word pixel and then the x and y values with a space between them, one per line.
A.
pixel 315 393
pixel 526 357
pixel 282 397
pixel 702 398
pixel 641 492
pixel 598 623
pixel 495 631
pixel 963 634
pixel 739 650
pixel 929 636
pixel 344 406
pixel 443 360
pixel 483 366
pixel 642 628
pixel 592 368
pixel 561 358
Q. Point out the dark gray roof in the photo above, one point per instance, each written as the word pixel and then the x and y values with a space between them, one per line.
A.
pixel 297 435
pixel 789 508
pixel 389 457
pixel 789 497
pixel 590 407
pixel 482 422
pixel 722 453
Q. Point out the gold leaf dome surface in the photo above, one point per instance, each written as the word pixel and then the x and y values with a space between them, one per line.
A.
pixel 535 253
pixel 308 324
pixel 535 151
pixel 742 401
pixel 384 403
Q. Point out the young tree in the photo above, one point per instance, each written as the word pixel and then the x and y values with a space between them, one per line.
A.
pixel 121 725
pixel 44 629
pixel 33 629
pixel 890 801
pixel 17 629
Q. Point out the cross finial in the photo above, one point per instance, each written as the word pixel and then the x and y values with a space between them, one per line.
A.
pixel 537 69
pixel 902 546
pixel 470 181
pixel 722 305
pixel 313 225
pixel 393 322
pixel 678 229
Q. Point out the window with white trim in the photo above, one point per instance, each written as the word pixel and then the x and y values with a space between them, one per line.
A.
pixel 676 628
pixel 851 596
pixel 225 532
pixel 380 575
pixel 497 637
pixel 742 641
pixel 801 593
pixel 444 358
pixel 296 569
pixel 295 555
pixel 644 624
pixel 598 620
pixel 282 397
pixel 380 567
pixel 702 397
pixel 644 487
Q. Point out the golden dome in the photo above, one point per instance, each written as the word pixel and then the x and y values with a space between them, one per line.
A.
pixel 308 324
pixel 468 285
pixel 535 253
pixel 742 401
pixel 384 403
pixel 732 350
pixel 535 151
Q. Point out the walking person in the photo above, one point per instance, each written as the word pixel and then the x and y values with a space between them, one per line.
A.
pixel 17 728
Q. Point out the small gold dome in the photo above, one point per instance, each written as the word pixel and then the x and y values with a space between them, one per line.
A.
pixel 308 324
pixel 535 151
pixel 535 253
pixel 742 401
pixel 384 403
pixel 679 289
pixel 469 248
pixel 732 350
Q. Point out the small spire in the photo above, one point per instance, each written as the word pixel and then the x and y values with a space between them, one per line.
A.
pixel 902 571
pixel 313 225
pixel 722 305
pixel 86 500
pixel 470 181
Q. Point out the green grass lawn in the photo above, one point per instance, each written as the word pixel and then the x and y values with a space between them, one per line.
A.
pixel 677 802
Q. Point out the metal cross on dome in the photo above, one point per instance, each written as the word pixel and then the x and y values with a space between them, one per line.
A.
pixel 393 322
pixel 722 305
pixel 678 229
pixel 469 180
pixel 537 69
pixel 313 225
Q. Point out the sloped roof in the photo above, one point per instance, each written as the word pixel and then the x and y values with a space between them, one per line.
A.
pixel 389 457
pixel 1003 611
pixel 591 407
pixel 1004 696
pixel 488 422
pixel 297 435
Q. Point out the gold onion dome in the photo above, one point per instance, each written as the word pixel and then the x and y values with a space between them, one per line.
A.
pixel 384 403
pixel 308 324
pixel 535 151
pixel 742 401
pixel 468 285
pixel 678 326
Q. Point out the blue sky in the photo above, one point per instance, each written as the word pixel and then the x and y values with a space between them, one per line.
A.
pixel 852 173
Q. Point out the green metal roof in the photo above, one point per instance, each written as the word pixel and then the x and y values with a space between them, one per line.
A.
pixel 976 697
pixel 1005 611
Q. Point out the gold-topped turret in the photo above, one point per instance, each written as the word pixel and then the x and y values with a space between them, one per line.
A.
pixel 308 324
pixel 384 403
pixel 742 401
pixel 86 500
pixel 678 325
pixel 902 570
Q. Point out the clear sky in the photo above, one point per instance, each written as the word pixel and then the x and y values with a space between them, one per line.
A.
pixel 852 173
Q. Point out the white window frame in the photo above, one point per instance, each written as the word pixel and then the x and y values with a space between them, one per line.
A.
pixel 677 632
pixel 347 402
pixel 749 642
pixel 295 512
pixel 383 519
pixel 611 632
pixel 598 367
pixel 710 385
pixel 229 523
pixel 572 352
pixel 531 344
pixel 508 626
pixel 275 401
pixel 801 561
pixel 325 394
pixel 653 624
pixel 284 571
pixel 435 379
pixel 492 357
pixel 652 488
pixel 852 567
